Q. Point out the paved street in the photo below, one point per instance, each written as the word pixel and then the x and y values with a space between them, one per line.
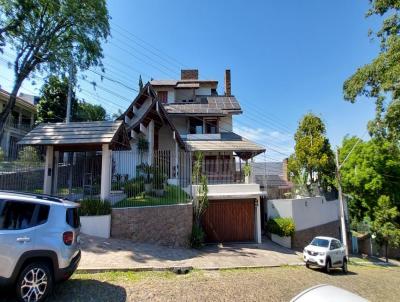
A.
pixel 268 284
pixel 115 253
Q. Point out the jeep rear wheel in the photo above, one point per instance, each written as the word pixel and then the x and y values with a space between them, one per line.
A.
pixel 34 283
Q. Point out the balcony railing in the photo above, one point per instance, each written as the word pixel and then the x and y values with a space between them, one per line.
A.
pixel 12 123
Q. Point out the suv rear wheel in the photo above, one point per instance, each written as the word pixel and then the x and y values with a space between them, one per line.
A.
pixel 344 266
pixel 34 283
pixel 328 266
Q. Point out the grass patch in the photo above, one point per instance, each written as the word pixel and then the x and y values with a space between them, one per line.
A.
pixel 129 276
pixel 173 195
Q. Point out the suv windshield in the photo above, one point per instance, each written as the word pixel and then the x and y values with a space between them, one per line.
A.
pixel 320 242
pixel 73 217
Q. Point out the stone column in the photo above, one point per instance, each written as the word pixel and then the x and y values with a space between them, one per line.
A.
pixel 150 138
pixel 258 219
pixel 48 170
pixel 105 186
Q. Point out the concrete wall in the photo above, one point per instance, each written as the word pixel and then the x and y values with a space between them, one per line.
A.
pixel 180 124
pixel 306 212
pixel 302 238
pixel 169 225
pixel 225 124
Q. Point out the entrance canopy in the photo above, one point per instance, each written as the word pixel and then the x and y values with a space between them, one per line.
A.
pixel 79 136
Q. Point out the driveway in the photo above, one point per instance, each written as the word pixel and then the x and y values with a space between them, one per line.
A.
pixel 98 253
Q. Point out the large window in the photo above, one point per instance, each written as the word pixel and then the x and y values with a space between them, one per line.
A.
pixel 16 215
pixel 196 126
pixel 163 96
pixel 211 126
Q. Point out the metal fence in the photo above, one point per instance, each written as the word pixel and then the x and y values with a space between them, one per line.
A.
pixel 145 179
pixel 25 171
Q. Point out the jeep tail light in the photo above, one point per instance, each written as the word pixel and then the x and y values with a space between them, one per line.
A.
pixel 68 238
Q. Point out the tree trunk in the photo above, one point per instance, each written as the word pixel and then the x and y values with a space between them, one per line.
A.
pixel 9 107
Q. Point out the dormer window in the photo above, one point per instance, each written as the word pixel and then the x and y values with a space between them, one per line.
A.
pixel 163 96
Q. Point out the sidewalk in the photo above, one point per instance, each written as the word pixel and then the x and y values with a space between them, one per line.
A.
pixel 100 254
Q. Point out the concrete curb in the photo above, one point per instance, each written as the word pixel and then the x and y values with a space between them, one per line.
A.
pixel 177 269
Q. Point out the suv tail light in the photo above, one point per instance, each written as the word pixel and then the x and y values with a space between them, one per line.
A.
pixel 68 238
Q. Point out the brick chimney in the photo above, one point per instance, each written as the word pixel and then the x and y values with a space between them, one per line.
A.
pixel 228 91
pixel 189 74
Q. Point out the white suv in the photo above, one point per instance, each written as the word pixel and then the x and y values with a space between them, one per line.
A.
pixel 325 252
pixel 39 243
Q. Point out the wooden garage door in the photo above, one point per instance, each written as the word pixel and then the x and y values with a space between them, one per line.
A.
pixel 229 221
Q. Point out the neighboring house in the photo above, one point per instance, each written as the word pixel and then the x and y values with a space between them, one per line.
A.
pixel 19 123
pixel 272 177
pixel 179 117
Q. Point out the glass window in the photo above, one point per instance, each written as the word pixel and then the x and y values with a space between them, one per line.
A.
pixel 195 126
pixel 320 242
pixel 43 214
pixel 335 245
pixel 16 215
pixel 163 96
pixel 211 126
pixel 72 217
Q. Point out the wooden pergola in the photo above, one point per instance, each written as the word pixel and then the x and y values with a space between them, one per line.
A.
pixel 78 137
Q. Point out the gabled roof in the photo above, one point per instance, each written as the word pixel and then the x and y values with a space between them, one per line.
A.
pixel 212 105
pixel 79 136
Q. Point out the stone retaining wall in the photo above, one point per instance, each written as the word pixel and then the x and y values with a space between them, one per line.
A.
pixel 303 238
pixel 169 225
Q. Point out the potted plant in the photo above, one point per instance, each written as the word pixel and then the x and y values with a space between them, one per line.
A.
pixel 95 217
pixel 246 172
pixel 281 229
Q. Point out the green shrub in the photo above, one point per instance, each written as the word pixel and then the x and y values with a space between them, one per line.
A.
pixel 134 187
pixel 281 226
pixel 94 207
pixel 247 169
pixel 197 237
pixel 1 154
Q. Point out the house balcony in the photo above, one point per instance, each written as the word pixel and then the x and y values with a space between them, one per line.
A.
pixel 24 127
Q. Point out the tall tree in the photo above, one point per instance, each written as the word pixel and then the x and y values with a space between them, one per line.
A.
pixel 385 225
pixel 372 170
pixel 52 106
pixel 380 78
pixel 87 112
pixel 313 156
pixel 49 36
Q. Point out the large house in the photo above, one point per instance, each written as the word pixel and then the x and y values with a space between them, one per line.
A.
pixel 19 123
pixel 179 117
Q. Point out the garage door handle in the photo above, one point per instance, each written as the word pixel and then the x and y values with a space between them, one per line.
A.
pixel 23 239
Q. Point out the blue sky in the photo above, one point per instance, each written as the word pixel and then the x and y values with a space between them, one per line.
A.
pixel 287 58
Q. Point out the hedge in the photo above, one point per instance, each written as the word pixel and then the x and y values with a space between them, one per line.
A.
pixel 94 207
pixel 281 226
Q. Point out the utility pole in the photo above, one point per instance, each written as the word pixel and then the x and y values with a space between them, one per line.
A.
pixel 69 96
pixel 341 205
pixel 69 156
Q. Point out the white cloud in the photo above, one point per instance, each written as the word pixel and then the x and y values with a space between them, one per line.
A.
pixel 279 145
